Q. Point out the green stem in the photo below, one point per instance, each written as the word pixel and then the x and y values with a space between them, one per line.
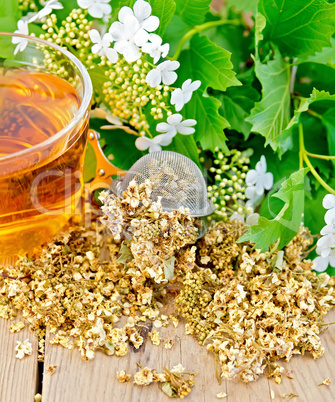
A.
pixel 303 156
pixel 198 29
pixel 301 147
pixel 317 156
pixel 317 176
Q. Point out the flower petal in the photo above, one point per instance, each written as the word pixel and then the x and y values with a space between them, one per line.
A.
pixel 153 78
pixel 142 10
pixel 251 177
pixel 112 55
pixel 328 201
pixel 175 119
pixel 321 264
pixel 131 53
pixel 261 165
pixel 124 13
pixel 151 24
pixel 163 127
pixel 95 36
pixel 267 179
pixel 142 143
pixel 330 216
pixel 259 188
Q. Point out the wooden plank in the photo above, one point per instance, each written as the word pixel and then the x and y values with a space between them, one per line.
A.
pixel 75 380
pixel 18 378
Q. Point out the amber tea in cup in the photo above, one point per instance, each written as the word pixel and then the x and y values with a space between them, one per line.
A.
pixel 45 94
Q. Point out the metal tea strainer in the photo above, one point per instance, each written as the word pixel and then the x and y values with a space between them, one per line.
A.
pixel 174 177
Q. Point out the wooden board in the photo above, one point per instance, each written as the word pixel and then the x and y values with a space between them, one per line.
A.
pixel 18 378
pixel 78 381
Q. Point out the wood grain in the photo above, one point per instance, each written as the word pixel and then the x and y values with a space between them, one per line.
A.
pixel 78 381
pixel 18 378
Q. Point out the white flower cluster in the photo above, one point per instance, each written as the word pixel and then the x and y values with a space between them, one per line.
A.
pixel 132 36
pixel 326 244
pixel 22 25
pixel 258 180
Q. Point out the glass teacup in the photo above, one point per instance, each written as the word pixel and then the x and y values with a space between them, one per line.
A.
pixel 45 95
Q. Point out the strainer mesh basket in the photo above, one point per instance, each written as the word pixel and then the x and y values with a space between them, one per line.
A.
pixel 174 177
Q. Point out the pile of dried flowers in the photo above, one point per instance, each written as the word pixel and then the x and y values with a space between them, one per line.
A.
pixel 253 308
pixel 249 308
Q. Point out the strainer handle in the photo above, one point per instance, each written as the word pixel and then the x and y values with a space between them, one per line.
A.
pixel 105 169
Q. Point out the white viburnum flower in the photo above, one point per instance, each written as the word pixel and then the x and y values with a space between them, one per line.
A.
pixel 142 12
pixel 259 177
pixel 22 28
pixel 181 96
pixel 96 8
pixel 329 203
pixel 102 45
pixel 46 10
pixel 327 240
pixel 128 38
pixel 154 144
pixel 175 125
pixel 155 48
pixel 321 263
pixel 163 72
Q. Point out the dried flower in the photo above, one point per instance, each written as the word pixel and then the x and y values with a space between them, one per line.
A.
pixel 23 348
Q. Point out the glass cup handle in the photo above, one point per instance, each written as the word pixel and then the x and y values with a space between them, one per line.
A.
pixel 105 169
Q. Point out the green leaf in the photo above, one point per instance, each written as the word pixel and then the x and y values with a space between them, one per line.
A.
pixel 286 224
pixel 168 390
pixel 125 254
pixel 209 129
pixel 193 12
pixel 243 5
pixel 325 56
pixel 185 145
pixel 328 120
pixel 211 64
pixel 90 164
pixel 169 268
pixel 236 105
pixel 300 27
pixel 175 30
pixel 204 109
pixel 164 10
pixel 306 102
pixel 271 115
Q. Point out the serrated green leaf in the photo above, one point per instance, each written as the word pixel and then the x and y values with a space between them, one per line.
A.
pixel 236 105
pixel 169 268
pixel 328 120
pixel 211 64
pixel 260 24
pixel 243 5
pixel 164 10
pixel 204 109
pixel 209 129
pixel 193 12
pixel 306 102
pixel 286 224
pixel 300 27
pixel 125 254
pixel 271 115
pixel 325 56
